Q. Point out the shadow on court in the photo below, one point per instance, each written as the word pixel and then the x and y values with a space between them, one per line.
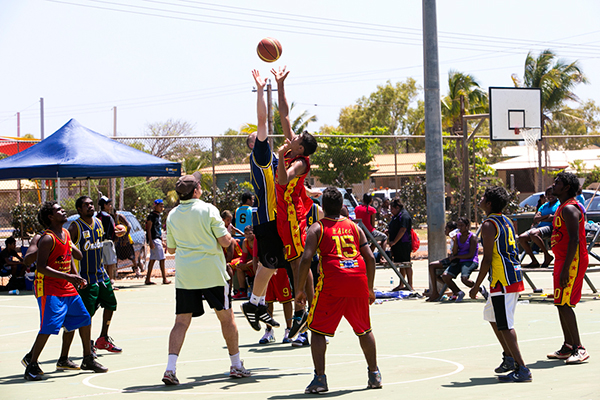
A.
pixel 473 382
pixel 302 395
pixel 224 382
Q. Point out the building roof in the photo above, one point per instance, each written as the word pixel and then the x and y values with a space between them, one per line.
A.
pixel 557 159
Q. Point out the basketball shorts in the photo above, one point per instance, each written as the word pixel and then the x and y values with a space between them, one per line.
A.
pixel 570 295
pixel 500 308
pixel 59 311
pixel 279 288
pixel 109 254
pixel 378 236
pixel 99 294
pixel 327 311
pixel 189 301
pixel 157 253
pixel 293 236
pixel 401 252
pixel 270 247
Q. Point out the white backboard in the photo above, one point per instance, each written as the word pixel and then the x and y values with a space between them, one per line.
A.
pixel 514 109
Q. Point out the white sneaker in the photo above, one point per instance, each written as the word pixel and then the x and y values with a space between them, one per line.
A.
pixel 268 337
pixel 240 372
pixel 578 356
pixel 286 337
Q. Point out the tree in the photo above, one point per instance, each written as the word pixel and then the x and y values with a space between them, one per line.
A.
pixel 168 145
pixel 231 148
pixel 475 100
pixel 343 161
pixel 583 120
pixel 557 79
pixel 387 107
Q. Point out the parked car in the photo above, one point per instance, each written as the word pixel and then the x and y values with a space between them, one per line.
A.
pixel 349 200
pixel 138 236
pixel 532 200
pixel 593 208
pixel 383 194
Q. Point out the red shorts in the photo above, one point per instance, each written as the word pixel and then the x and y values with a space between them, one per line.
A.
pixel 327 311
pixel 293 236
pixel 279 288
pixel 571 294
pixel 236 261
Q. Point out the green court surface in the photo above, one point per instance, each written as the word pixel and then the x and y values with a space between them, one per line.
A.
pixel 425 351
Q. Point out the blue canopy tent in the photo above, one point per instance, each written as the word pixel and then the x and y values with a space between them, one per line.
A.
pixel 76 152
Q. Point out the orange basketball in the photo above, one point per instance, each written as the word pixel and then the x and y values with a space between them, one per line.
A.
pixel 121 228
pixel 269 49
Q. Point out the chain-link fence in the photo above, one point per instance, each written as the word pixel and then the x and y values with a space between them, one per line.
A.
pixel 363 163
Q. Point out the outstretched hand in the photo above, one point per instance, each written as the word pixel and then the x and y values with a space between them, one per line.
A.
pixel 280 74
pixel 260 82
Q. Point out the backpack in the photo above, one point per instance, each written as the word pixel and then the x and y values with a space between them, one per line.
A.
pixel 415 241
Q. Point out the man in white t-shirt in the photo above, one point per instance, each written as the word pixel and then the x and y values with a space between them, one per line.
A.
pixel 197 235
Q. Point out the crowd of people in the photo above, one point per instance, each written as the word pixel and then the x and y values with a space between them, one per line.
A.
pixel 282 246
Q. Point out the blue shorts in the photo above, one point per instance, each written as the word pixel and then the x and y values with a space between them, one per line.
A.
pixel 464 268
pixel 59 311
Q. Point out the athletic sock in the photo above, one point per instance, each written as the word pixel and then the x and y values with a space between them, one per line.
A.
pixel 262 300
pixel 235 360
pixel 254 299
pixel 172 362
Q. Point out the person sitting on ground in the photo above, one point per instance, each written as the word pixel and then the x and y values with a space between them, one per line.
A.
pixel 437 267
pixel 10 261
pixel 543 218
pixel 366 213
pixel 465 254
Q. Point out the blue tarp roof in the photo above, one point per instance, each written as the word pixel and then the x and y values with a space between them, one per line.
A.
pixel 75 151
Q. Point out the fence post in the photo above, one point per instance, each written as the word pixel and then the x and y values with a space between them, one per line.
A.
pixel 214 185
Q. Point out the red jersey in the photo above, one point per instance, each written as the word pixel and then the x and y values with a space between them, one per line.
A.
pixel 560 237
pixel 342 270
pixel 292 202
pixel 59 260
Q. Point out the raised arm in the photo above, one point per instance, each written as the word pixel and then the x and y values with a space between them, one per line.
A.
pixel 284 109
pixel 261 106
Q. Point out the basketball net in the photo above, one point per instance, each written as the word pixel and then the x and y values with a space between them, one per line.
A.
pixel 530 137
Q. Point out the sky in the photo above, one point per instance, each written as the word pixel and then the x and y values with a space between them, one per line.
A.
pixel 190 60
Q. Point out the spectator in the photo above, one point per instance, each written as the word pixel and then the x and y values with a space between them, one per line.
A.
pixel 154 237
pixel 437 267
pixel 543 199
pixel 109 254
pixel 580 197
pixel 227 217
pixel 464 260
pixel 366 213
pixel 247 264
pixel 385 214
pixel 196 234
pixel 243 214
pixel 10 261
pixel 543 218
pixel 399 231
pixel 124 244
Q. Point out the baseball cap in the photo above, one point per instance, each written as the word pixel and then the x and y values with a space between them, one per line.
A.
pixel 158 201
pixel 187 183
pixel 103 200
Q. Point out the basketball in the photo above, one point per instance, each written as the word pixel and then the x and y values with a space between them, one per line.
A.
pixel 121 228
pixel 269 49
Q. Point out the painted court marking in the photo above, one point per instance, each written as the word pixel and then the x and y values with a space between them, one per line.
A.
pixel 457 369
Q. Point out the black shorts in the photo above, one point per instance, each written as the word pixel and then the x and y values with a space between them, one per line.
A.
pixel 401 252
pixel 189 301
pixel 270 246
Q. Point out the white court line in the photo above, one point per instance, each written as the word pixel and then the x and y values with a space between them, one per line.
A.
pixel 459 368
pixel 18 333
pixel 2 305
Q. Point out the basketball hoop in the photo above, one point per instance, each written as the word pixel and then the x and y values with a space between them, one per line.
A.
pixel 530 137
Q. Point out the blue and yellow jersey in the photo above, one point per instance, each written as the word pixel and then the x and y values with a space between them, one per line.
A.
pixel 506 268
pixel 89 241
pixel 263 165
pixel 312 215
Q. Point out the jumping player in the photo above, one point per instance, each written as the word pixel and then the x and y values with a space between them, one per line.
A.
pixel 54 286
pixel 345 288
pixel 87 233
pixel 501 260
pixel 292 201
pixel 570 264
pixel 269 245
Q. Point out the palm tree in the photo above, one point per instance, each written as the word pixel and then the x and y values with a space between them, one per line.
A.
pixel 557 79
pixel 460 84
pixel 298 125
